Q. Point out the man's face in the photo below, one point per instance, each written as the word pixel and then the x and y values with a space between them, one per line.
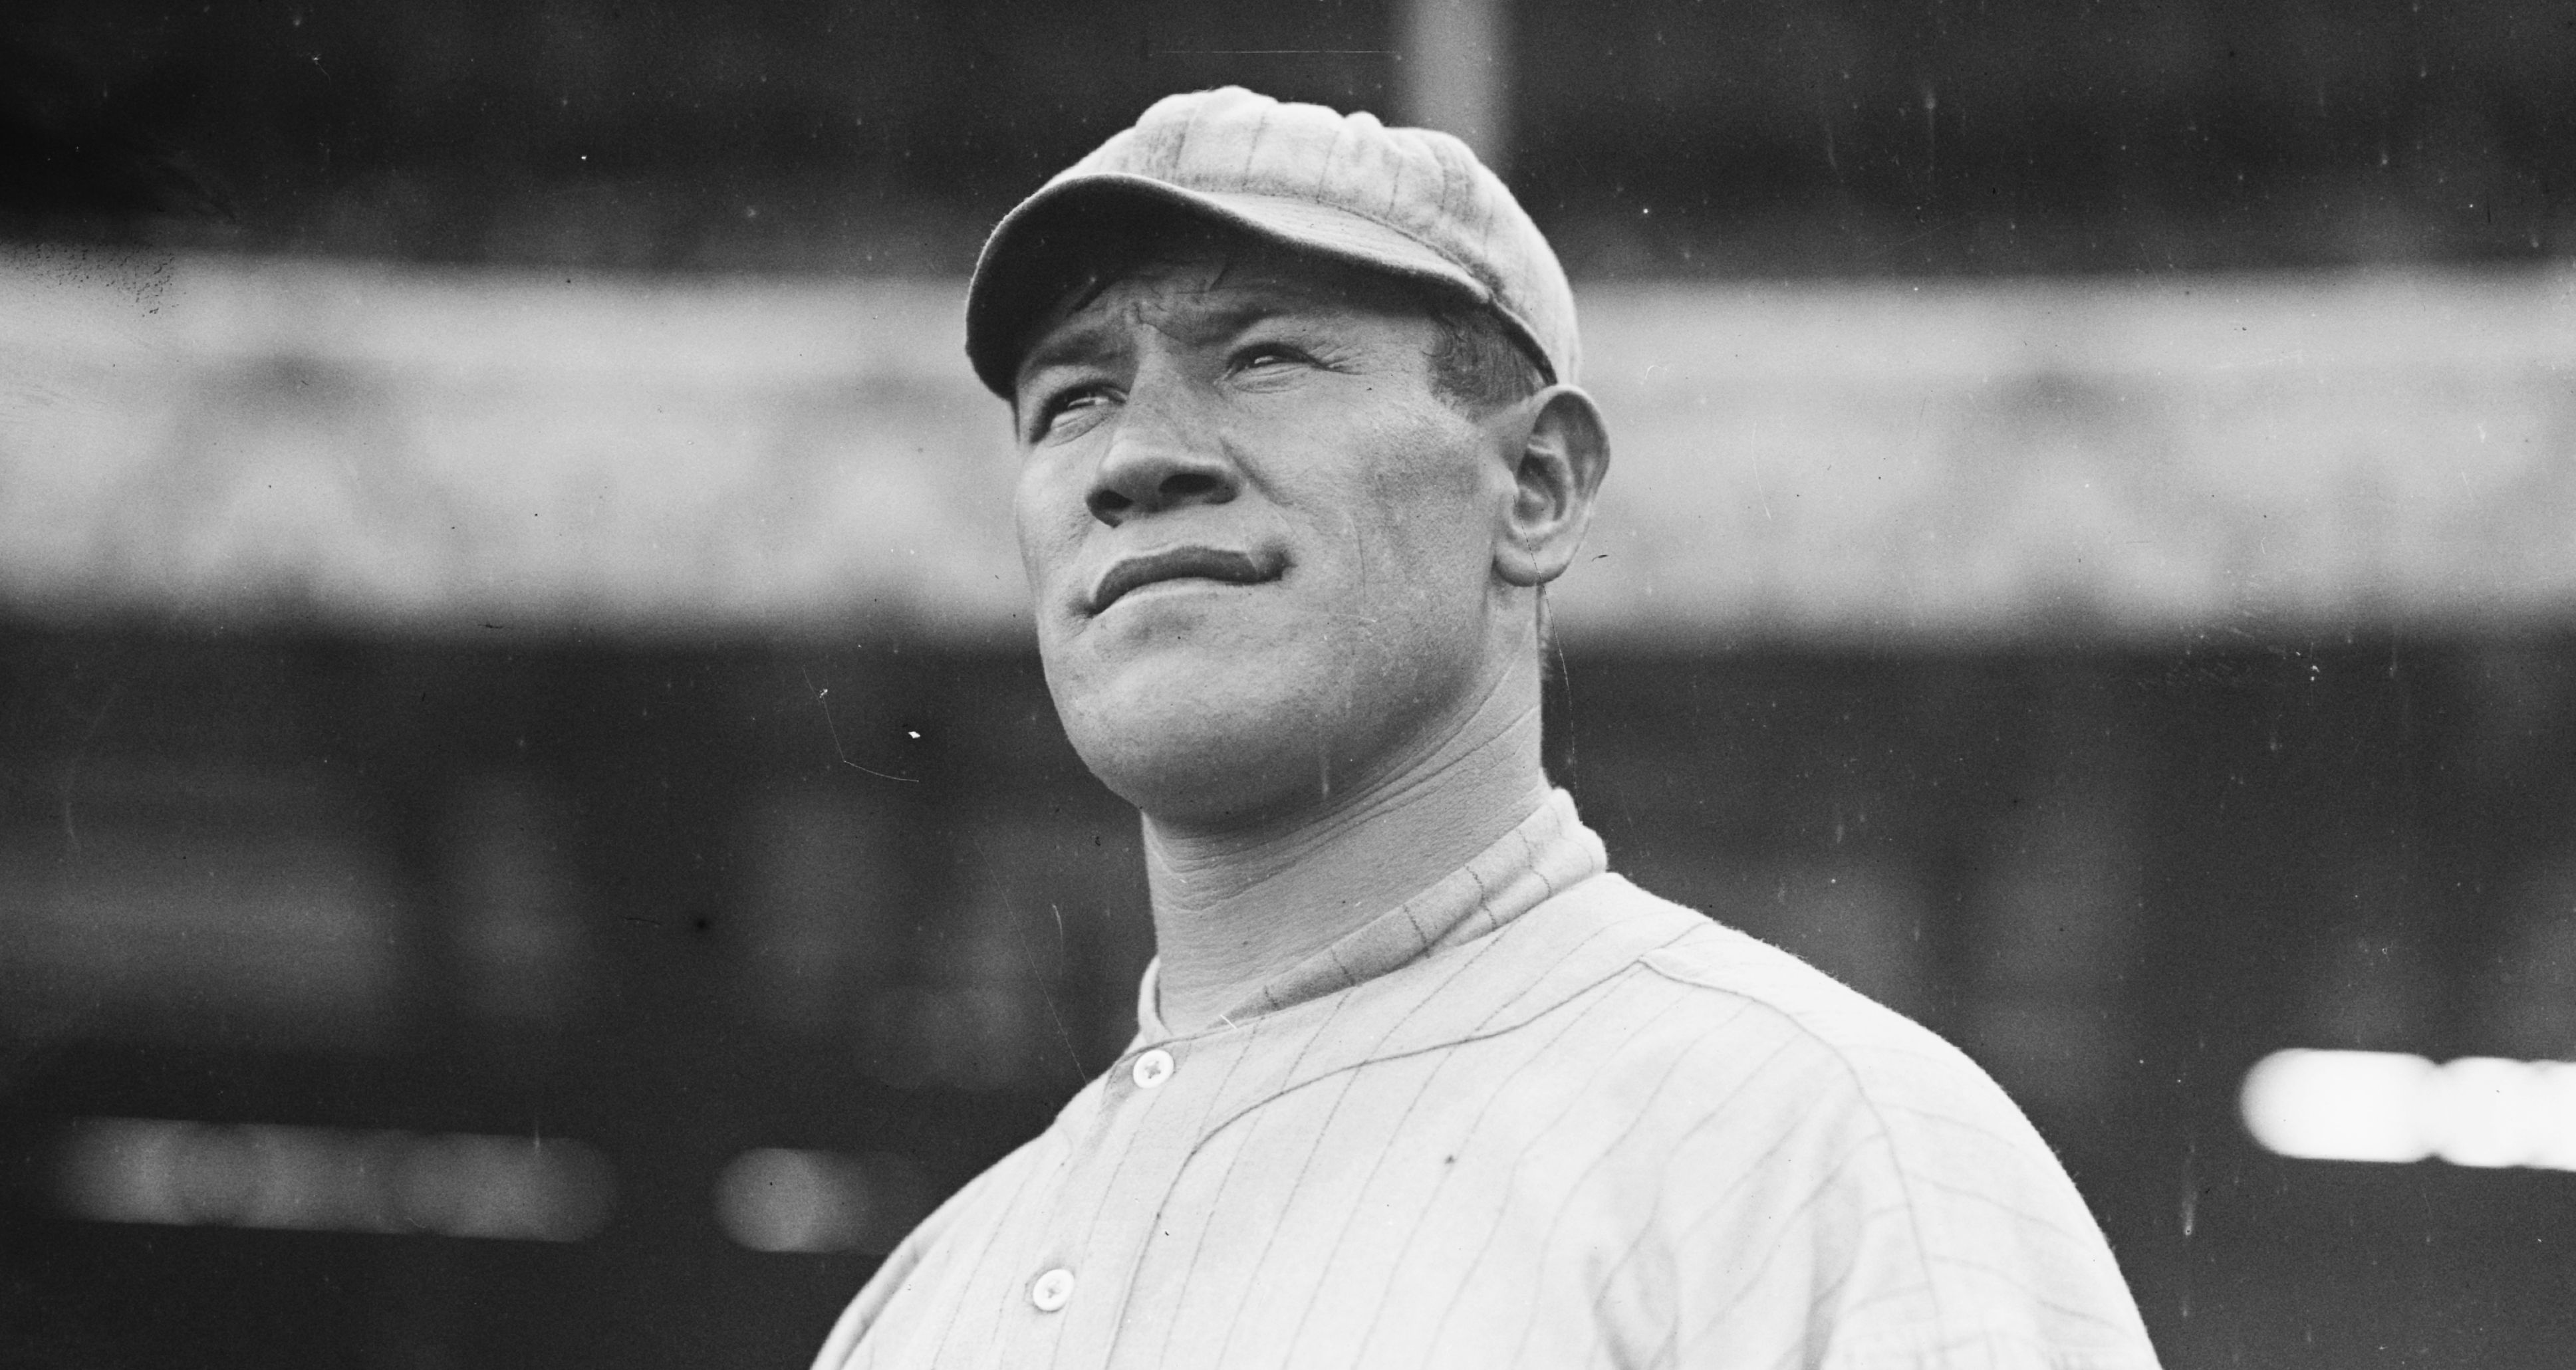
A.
pixel 1261 544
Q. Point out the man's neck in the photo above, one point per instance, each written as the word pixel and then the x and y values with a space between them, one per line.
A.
pixel 1235 907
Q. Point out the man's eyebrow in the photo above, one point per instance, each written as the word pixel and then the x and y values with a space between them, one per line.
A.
pixel 1068 341
pixel 1226 321
pixel 1064 343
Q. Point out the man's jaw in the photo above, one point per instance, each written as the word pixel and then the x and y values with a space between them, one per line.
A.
pixel 1189 561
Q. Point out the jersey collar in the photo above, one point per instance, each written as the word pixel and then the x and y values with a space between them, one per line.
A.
pixel 1549 853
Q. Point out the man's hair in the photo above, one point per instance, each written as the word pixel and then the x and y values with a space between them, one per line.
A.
pixel 1477 363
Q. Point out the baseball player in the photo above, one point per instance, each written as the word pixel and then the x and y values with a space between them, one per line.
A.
pixel 1417 1080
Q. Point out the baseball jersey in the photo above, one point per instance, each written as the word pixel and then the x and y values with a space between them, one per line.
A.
pixel 1534 1116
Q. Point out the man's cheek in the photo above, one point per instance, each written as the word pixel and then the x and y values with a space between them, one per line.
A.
pixel 1050 537
pixel 1424 470
pixel 1425 530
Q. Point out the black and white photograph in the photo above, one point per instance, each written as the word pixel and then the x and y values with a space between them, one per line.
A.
pixel 1128 685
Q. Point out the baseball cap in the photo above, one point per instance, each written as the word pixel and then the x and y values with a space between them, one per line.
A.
pixel 1414 202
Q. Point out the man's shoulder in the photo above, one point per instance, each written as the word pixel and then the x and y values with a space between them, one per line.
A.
pixel 1731 980
pixel 1782 1087
pixel 1723 998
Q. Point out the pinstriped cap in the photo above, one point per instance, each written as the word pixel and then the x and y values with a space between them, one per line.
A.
pixel 1406 200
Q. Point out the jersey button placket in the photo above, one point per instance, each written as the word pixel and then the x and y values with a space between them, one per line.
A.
pixel 1152 1069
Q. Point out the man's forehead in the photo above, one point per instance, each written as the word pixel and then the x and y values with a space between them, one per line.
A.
pixel 1202 289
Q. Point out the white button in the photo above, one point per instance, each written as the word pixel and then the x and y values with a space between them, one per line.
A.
pixel 1153 1068
pixel 1052 1289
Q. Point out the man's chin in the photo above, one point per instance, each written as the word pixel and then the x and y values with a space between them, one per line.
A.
pixel 1200 756
pixel 1192 793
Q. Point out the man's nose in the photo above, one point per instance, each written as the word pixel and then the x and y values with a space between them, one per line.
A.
pixel 1162 456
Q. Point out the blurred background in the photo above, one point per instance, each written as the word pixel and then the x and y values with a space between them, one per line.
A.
pixel 531 831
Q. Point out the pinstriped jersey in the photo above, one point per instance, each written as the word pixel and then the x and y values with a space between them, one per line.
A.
pixel 1534 1116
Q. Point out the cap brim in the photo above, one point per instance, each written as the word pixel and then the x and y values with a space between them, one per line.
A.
pixel 1043 248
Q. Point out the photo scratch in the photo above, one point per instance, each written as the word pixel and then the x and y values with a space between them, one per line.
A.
pixel 823 697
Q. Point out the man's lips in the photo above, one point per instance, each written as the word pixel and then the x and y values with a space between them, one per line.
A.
pixel 1184 563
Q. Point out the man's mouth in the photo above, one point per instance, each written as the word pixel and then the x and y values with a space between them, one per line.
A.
pixel 1184 563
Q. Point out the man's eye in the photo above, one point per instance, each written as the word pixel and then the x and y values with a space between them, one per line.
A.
pixel 1266 356
pixel 1067 404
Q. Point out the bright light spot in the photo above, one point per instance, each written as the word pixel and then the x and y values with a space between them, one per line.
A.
pixel 779 1200
pixel 2339 1105
pixel 2478 1111
pixel 776 1200
pixel 2482 1111
pixel 141 1170
pixel 467 1186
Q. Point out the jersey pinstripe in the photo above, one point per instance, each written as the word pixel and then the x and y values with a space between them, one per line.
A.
pixel 1534 1116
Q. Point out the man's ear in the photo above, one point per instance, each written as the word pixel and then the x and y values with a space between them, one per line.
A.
pixel 1563 455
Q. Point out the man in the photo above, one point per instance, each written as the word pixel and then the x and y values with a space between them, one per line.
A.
pixel 1417 1082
